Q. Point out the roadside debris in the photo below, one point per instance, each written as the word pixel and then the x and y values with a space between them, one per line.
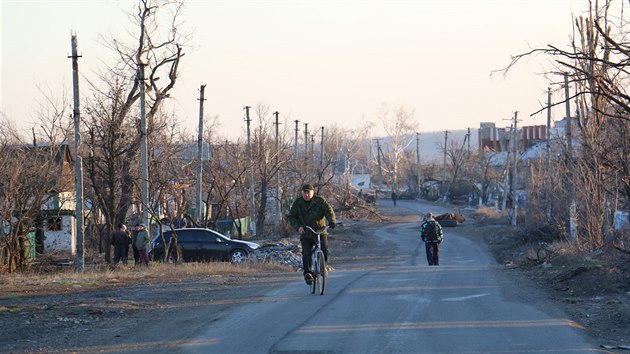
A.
pixel 449 219
pixel 285 251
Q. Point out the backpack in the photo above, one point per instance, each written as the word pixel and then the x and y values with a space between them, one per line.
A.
pixel 430 232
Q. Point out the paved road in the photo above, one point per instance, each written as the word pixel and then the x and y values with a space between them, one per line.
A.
pixel 398 305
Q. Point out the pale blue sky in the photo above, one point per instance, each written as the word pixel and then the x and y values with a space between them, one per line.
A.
pixel 321 62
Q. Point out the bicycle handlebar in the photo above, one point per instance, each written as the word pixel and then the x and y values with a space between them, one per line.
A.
pixel 318 232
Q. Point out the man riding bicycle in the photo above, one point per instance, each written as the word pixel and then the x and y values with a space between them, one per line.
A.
pixel 313 211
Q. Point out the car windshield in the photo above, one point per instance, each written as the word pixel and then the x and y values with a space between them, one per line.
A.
pixel 227 236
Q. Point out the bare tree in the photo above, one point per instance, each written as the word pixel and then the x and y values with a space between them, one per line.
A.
pixel 487 175
pixel 226 185
pixel 34 175
pixel 400 125
pixel 597 63
pixel 269 160
pixel 457 160
pixel 346 153
pixel 112 119
pixel 53 121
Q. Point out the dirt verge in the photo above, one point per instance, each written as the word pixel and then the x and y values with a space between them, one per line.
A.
pixel 593 289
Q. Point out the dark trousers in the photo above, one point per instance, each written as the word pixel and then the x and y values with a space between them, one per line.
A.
pixel 144 257
pixel 120 253
pixel 433 253
pixel 307 252
pixel 136 254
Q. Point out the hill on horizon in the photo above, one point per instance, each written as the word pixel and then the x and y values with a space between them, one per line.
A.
pixel 430 142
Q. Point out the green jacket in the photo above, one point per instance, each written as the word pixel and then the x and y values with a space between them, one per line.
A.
pixel 313 213
pixel 142 240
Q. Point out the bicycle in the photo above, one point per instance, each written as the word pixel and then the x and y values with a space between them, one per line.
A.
pixel 320 271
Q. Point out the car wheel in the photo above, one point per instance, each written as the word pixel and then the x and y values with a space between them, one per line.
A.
pixel 238 256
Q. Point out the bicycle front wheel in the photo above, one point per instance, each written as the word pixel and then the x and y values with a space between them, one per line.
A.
pixel 322 272
pixel 315 277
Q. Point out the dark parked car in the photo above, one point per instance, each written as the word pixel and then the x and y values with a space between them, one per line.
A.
pixel 196 244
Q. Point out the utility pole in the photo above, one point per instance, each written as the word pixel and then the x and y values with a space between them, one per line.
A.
pixel 468 137
pixel 570 185
pixel 200 209
pixel 252 204
pixel 321 151
pixel 278 199
pixel 143 151
pixel 418 163
pixel 514 170
pixel 307 167
pixel 312 156
pixel 470 194
pixel 297 129
pixel 305 141
pixel 548 157
pixel 444 166
pixel 506 172
pixel 78 162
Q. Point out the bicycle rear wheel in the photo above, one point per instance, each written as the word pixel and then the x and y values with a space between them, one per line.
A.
pixel 322 272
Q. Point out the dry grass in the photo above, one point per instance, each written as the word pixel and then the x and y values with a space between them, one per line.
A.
pixel 485 212
pixel 95 276
pixel 489 216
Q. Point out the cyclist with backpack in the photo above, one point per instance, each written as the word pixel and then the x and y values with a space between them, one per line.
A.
pixel 431 233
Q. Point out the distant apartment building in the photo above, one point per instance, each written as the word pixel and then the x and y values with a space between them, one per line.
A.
pixel 496 139
pixel 490 137
pixel 533 135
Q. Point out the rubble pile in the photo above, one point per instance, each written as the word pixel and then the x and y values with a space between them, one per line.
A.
pixel 286 252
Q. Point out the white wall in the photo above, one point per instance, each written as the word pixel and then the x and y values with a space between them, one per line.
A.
pixel 63 240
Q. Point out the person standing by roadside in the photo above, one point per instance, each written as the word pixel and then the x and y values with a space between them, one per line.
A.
pixel 394 197
pixel 129 237
pixel 142 243
pixel 134 237
pixel 120 241
pixel 432 235
pixel 181 222
pixel 313 211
